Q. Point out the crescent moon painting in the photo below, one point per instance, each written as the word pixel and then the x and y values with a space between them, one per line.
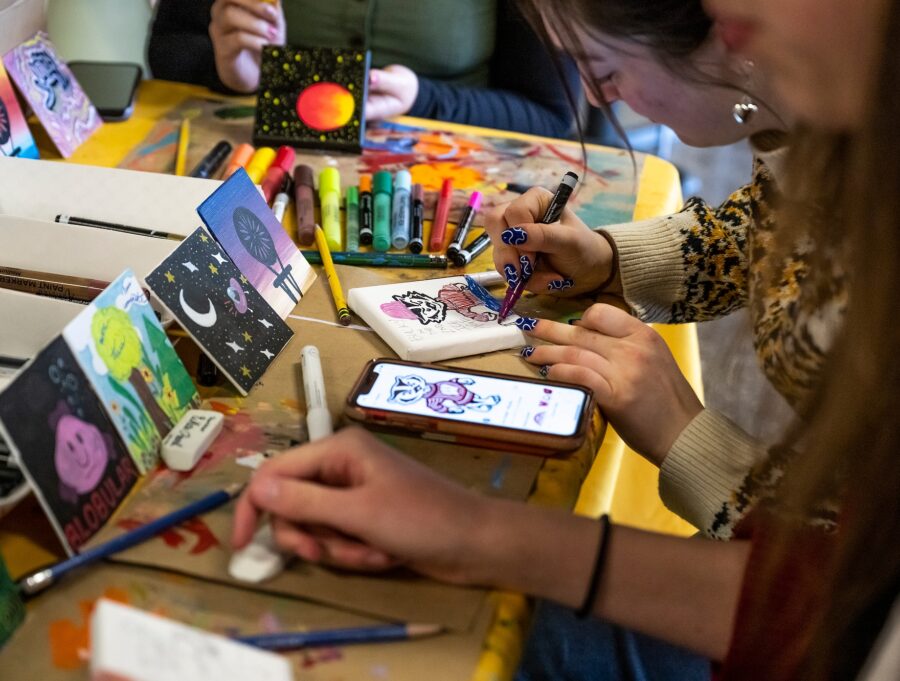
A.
pixel 206 319
pixel 217 305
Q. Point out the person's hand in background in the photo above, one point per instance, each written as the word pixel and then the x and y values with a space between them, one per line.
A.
pixel 239 29
pixel 392 92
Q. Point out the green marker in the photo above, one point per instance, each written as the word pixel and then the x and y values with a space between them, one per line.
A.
pixel 352 212
pixel 382 182
pixel 433 262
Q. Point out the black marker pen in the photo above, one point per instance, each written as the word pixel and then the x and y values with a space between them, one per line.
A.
pixel 366 220
pixel 466 255
pixel 416 244
pixel 464 225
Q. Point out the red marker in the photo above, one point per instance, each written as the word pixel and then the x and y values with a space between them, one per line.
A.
pixel 274 179
pixel 439 225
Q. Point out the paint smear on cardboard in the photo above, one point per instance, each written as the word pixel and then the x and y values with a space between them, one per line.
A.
pixel 70 641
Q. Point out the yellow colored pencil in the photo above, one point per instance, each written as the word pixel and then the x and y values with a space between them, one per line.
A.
pixel 331 274
pixel 184 138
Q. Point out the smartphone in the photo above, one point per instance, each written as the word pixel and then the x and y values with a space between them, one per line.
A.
pixel 109 85
pixel 481 408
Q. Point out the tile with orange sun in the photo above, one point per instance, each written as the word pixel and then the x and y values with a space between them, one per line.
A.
pixel 312 98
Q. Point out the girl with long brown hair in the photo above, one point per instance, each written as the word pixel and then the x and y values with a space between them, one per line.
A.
pixel 791 596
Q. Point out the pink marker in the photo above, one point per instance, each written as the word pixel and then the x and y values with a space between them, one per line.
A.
pixel 464 225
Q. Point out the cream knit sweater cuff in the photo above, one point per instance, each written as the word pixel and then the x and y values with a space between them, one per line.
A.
pixel 651 264
pixel 705 467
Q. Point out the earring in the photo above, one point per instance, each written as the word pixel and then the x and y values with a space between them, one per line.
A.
pixel 744 111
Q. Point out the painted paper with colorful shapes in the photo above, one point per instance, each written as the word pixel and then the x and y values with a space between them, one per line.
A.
pixel 57 99
pixel 125 353
pixel 66 444
pixel 435 319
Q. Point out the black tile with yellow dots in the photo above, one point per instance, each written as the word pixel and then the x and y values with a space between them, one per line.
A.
pixel 312 98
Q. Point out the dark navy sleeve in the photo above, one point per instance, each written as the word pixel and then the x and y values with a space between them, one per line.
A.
pixel 526 92
pixel 179 47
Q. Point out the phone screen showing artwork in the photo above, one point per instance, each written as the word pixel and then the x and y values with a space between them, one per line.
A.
pixel 534 406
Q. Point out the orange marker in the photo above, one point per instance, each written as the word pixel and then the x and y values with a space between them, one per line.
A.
pixel 239 159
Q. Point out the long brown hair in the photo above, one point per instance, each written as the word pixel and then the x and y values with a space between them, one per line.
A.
pixel 852 432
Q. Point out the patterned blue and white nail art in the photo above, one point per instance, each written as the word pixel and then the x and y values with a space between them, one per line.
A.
pixel 527 270
pixel 560 284
pixel 526 323
pixel 511 274
pixel 513 236
pixel 545 370
pixel 527 351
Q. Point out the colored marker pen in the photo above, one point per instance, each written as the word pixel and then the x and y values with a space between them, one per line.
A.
pixel 352 213
pixel 213 160
pixel 400 215
pixel 239 159
pixel 464 225
pixel 365 209
pixel 305 204
pixel 330 206
pixel 259 163
pixel 418 219
pixel 382 210
pixel 441 211
pixel 466 255
pixel 274 178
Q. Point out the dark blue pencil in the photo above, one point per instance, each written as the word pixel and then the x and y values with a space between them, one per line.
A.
pixel 40 580
pixel 333 637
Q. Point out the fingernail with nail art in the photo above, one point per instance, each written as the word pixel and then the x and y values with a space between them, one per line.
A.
pixel 514 236
pixel 526 323
pixel 527 271
pixel 511 274
pixel 527 351
pixel 545 370
pixel 560 284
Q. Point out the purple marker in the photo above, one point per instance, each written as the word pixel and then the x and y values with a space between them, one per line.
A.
pixel 464 225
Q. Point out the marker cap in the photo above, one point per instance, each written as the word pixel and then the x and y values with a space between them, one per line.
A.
pixel 383 182
pixel 329 180
pixel 284 158
pixel 475 200
pixel 239 159
pixel 303 176
pixel 446 187
pixel 418 193
pixel 402 180
pixel 365 183
pixel 352 195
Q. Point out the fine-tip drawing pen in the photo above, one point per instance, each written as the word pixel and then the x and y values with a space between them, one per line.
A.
pixel 64 219
pixel 436 262
pixel 551 215
pixel 40 580
pixel 318 418
pixel 331 637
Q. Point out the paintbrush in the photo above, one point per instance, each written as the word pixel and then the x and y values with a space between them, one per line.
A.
pixel 40 580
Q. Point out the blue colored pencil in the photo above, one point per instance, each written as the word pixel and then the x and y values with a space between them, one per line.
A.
pixel 332 637
pixel 41 579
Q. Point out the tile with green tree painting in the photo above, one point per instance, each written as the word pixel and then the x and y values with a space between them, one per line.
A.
pixel 132 366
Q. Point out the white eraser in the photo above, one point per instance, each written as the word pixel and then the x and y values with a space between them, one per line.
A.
pixel 259 560
pixel 132 645
pixel 190 438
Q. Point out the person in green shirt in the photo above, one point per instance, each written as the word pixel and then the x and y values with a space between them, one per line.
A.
pixel 467 61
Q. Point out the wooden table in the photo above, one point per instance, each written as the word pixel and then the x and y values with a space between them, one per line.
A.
pixel 490 644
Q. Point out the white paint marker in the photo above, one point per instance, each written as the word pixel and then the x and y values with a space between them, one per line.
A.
pixel 318 418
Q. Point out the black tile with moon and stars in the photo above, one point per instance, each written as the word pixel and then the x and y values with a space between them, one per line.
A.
pixel 228 318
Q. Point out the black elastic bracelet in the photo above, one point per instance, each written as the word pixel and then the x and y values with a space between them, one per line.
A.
pixel 587 605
